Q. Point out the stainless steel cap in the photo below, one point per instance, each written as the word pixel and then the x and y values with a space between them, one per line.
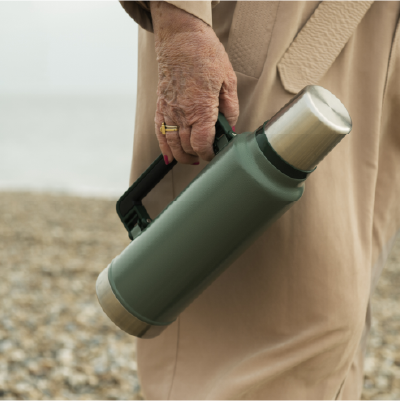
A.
pixel 305 130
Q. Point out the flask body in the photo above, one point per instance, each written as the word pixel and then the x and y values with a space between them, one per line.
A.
pixel 237 195
pixel 250 183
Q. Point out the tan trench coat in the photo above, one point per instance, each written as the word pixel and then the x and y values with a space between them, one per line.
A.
pixel 288 320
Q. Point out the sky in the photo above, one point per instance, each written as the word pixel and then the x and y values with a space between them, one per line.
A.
pixel 68 74
pixel 67 48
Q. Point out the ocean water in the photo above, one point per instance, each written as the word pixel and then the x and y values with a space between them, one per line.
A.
pixel 79 145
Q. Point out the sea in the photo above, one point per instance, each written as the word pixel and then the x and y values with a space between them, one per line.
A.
pixel 66 144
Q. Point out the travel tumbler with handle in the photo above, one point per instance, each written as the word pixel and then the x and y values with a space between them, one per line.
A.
pixel 253 179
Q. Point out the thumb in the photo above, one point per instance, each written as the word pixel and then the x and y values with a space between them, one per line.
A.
pixel 228 100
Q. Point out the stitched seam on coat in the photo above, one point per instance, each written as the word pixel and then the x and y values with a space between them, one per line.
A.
pixel 340 389
pixel 176 359
pixel 177 336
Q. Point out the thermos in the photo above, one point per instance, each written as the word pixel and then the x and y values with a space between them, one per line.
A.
pixel 253 179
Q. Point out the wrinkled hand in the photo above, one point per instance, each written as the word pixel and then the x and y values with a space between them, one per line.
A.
pixel 195 80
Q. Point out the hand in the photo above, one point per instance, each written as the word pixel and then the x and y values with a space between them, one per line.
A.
pixel 195 80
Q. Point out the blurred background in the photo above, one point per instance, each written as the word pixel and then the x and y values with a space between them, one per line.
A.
pixel 67 106
pixel 68 75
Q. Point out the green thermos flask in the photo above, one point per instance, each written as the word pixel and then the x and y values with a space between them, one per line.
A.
pixel 253 179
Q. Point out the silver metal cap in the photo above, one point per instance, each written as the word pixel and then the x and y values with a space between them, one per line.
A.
pixel 305 130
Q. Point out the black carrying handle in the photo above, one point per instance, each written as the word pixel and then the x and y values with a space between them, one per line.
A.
pixel 129 207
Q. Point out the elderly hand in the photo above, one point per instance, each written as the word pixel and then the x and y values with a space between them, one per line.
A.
pixel 195 79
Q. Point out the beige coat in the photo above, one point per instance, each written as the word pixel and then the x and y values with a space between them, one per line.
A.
pixel 286 320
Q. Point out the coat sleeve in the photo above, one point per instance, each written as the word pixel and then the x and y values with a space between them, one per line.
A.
pixel 140 11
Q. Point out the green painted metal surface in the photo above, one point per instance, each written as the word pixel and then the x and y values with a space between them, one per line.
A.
pixel 199 234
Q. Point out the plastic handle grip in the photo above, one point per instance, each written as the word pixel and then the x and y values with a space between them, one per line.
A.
pixel 157 171
pixel 145 183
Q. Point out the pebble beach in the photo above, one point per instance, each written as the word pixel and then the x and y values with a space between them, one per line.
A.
pixel 56 342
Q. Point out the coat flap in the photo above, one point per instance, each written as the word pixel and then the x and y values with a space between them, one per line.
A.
pixel 250 35
pixel 319 42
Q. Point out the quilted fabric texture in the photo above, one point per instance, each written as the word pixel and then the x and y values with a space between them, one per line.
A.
pixel 319 43
pixel 247 48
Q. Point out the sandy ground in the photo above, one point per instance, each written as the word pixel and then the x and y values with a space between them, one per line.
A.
pixel 55 341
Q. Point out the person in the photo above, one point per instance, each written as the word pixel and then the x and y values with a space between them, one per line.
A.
pixel 289 318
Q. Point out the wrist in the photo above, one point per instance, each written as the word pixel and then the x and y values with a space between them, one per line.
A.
pixel 169 20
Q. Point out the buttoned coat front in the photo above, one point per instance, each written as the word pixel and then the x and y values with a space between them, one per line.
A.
pixel 288 320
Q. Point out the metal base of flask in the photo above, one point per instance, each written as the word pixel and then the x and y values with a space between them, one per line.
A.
pixel 117 312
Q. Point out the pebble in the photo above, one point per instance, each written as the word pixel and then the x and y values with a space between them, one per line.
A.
pixel 382 361
pixel 55 340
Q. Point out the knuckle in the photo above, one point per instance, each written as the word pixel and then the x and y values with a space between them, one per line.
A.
pixel 198 148
pixel 182 157
pixel 173 141
pixel 188 148
pixel 160 139
pixel 233 79
pixel 178 114
pixel 201 148
pixel 158 119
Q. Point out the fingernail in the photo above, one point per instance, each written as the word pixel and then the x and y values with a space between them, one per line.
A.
pixel 195 164
pixel 233 129
pixel 166 159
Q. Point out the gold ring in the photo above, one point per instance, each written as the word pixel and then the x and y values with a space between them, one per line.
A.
pixel 168 128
